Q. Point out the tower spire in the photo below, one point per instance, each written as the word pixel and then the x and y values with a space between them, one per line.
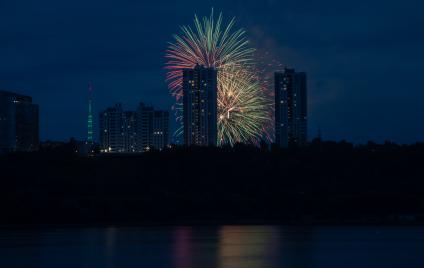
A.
pixel 90 115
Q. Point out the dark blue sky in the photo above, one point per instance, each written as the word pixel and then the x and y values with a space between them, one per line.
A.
pixel 363 58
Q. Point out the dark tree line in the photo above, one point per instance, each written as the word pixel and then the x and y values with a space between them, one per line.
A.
pixel 324 182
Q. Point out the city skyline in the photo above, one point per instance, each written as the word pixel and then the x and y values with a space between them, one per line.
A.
pixel 350 95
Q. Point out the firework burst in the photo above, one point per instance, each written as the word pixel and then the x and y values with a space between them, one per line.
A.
pixel 242 105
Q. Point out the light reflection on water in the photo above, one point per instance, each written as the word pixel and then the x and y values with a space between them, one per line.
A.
pixel 182 248
pixel 214 247
pixel 248 247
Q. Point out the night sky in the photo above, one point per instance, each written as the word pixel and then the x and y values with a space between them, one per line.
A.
pixel 363 58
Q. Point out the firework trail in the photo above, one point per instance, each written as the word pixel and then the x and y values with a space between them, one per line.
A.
pixel 243 106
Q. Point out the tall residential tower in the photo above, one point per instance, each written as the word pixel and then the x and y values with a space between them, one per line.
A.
pixel 290 108
pixel 144 127
pixel 18 123
pixel 90 115
pixel 112 125
pixel 200 106
pixel 160 130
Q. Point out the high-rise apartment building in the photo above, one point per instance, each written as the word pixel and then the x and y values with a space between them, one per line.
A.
pixel 200 106
pixel 133 131
pixel 18 123
pixel 145 115
pixel 90 116
pixel 112 129
pixel 290 108
pixel 160 134
pixel 130 131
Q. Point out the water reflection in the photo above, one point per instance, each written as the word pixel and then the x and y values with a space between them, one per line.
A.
pixel 110 245
pixel 298 246
pixel 182 254
pixel 248 247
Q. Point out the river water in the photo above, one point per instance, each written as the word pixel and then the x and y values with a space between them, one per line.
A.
pixel 213 247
